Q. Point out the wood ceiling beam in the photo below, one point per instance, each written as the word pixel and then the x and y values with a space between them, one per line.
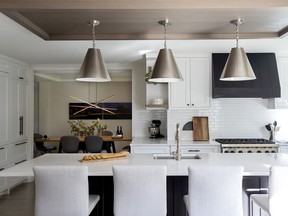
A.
pixel 283 32
pixel 139 4
pixel 28 24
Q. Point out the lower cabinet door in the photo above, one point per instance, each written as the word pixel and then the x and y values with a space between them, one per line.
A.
pixel 13 181
pixel 3 180
pixel 197 149
pixel 150 148
pixel 155 150
pixel 18 152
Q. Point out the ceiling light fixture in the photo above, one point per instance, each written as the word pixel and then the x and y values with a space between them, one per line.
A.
pixel 93 68
pixel 237 67
pixel 165 68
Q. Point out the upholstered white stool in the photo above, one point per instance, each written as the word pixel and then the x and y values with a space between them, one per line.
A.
pixel 63 191
pixel 139 190
pixel 275 203
pixel 214 190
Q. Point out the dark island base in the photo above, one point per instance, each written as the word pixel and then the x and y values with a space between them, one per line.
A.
pixel 177 187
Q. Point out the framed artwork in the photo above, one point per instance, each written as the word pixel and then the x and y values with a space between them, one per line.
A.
pixel 117 110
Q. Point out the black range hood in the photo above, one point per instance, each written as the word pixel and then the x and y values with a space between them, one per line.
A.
pixel 266 85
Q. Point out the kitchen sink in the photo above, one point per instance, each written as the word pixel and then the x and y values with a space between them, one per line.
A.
pixel 168 156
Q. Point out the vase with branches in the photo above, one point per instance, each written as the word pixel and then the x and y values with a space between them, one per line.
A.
pixel 80 127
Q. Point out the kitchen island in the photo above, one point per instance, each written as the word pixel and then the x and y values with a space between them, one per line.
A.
pixel 101 180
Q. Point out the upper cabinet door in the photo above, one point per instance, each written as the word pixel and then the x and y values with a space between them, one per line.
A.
pixel 194 91
pixel 179 92
pixel 200 82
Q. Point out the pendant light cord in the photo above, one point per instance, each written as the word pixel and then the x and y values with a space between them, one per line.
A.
pixel 93 34
pixel 237 35
pixel 165 36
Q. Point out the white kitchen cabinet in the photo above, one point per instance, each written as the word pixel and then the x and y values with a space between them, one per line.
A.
pixel 158 146
pixel 168 149
pixel 192 148
pixel 151 148
pixel 3 180
pixel 13 138
pixel 17 110
pixel 194 90
pixel 282 102
pixel 3 107
pixel 198 148
pixel 4 151
pixel 155 90
pixel 18 152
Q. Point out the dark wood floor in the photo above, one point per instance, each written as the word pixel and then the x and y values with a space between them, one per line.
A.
pixel 20 201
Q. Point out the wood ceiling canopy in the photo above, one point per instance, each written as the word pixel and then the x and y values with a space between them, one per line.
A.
pixel 138 19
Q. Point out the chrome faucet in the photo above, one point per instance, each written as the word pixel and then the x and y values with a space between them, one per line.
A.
pixel 177 154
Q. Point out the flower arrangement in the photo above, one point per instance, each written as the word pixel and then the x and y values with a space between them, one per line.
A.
pixel 80 127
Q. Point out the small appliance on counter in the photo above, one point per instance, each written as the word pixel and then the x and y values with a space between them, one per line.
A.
pixel 154 129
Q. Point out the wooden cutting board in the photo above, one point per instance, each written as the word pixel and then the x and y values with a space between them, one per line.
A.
pixel 200 128
pixel 104 157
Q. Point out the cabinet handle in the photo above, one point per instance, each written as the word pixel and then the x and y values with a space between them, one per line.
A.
pixel 20 143
pixel 194 150
pixel 20 162
pixel 192 104
pixel 187 104
pixel 2 148
pixel 1 169
pixel 21 78
pixel 21 120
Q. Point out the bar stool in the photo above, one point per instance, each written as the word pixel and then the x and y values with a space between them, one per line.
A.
pixel 93 144
pixel 108 144
pixel 69 144
pixel 63 190
pixel 139 190
pixel 214 190
pixel 40 145
pixel 275 202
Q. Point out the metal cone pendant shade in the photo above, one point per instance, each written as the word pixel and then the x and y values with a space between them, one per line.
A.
pixel 93 68
pixel 237 67
pixel 165 68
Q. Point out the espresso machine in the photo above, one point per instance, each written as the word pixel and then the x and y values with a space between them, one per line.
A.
pixel 154 129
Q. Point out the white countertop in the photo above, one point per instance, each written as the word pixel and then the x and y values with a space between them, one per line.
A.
pixel 164 141
pixel 254 164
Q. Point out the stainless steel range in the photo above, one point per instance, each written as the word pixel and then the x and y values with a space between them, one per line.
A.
pixel 247 145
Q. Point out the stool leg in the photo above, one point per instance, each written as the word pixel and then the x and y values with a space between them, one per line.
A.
pixel 113 147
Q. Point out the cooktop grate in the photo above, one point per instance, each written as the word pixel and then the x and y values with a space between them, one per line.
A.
pixel 244 141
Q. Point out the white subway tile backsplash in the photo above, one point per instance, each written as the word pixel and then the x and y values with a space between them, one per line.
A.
pixel 143 121
pixel 237 117
pixel 228 118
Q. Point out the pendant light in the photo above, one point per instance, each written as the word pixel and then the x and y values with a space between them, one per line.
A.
pixel 237 67
pixel 165 68
pixel 93 68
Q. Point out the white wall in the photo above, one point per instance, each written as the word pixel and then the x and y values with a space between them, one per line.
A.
pixel 55 97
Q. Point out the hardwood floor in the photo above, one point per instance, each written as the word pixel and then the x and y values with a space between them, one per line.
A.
pixel 20 201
